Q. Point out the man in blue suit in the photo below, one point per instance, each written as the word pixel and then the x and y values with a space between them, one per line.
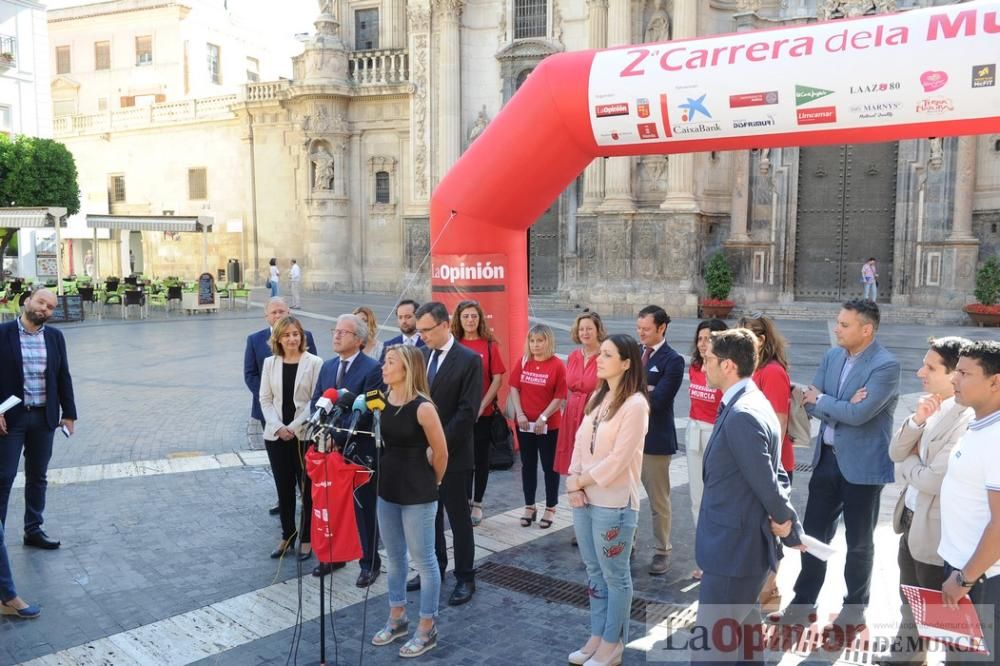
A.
pixel 358 373
pixel 33 367
pixel 258 348
pixel 854 395
pixel 406 318
pixel 745 504
pixel 664 374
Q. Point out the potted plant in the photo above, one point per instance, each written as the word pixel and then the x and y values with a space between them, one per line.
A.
pixel 718 282
pixel 986 312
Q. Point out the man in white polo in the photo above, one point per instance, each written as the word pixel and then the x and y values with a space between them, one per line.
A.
pixel 970 495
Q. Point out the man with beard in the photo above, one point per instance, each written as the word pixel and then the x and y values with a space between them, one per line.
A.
pixel 406 317
pixel 36 370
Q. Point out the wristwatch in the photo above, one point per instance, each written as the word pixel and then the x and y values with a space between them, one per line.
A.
pixel 963 582
pixel 543 418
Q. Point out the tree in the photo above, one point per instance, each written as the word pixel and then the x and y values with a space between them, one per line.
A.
pixel 36 172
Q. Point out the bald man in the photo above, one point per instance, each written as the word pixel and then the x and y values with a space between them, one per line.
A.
pixel 36 370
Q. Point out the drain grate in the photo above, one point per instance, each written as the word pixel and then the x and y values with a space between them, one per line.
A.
pixel 556 590
pixel 803 467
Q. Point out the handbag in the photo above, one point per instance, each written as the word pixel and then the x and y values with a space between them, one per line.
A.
pixel 508 406
pixel 799 428
pixel 501 437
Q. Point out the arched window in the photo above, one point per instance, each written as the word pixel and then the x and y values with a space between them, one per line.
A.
pixel 382 187
pixel 530 19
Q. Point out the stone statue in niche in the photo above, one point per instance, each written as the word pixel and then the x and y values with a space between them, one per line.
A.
pixel 482 120
pixel 936 159
pixel 326 6
pixel 322 169
pixel 658 28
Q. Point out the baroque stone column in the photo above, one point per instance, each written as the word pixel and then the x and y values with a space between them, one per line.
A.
pixel 449 13
pixel 741 168
pixel 597 38
pixel 618 170
pixel 419 23
pixel 680 167
pixel 965 183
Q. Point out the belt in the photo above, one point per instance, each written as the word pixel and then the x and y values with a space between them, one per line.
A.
pixel 31 408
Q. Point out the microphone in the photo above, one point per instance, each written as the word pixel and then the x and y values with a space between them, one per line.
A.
pixel 323 407
pixel 376 403
pixel 359 408
pixel 344 402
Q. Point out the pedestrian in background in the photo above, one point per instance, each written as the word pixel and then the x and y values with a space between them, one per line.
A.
pixel 295 281
pixel 272 280
pixel 537 390
pixel 869 278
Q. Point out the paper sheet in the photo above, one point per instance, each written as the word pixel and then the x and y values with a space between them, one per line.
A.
pixel 8 403
pixel 817 548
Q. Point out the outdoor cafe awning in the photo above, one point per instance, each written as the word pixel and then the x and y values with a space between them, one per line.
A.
pixel 151 222
pixel 32 218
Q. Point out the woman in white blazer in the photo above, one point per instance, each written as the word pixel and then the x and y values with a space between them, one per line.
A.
pixel 286 386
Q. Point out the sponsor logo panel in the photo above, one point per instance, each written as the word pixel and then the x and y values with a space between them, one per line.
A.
pixel 935 105
pixel 753 99
pixel 875 88
pixel 816 115
pixel 753 123
pixel 875 110
pixel 933 80
pixel 647 131
pixel 642 107
pixel 808 94
pixel 608 110
pixel 984 76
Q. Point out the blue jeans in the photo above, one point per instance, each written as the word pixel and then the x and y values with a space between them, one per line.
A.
pixel 410 527
pixel 274 288
pixel 7 591
pixel 871 291
pixel 33 435
pixel 605 539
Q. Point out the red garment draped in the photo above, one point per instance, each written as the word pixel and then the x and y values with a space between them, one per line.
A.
pixel 334 528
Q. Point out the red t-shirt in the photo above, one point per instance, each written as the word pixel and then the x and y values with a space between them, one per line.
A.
pixel 539 383
pixel 704 400
pixel 334 528
pixel 493 364
pixel 773 380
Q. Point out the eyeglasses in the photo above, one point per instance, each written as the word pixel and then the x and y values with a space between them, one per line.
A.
pixel 425 331
pixel 338 332
pixel 709 357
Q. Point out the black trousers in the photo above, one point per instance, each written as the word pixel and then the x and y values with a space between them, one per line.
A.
pixel 830 497
pixel 365 514
pixel 286 467
pixel 452 497
pixel 481 474
pixel 986 596
pixel 534 447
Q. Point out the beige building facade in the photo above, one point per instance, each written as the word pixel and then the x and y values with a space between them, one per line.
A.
pixel 336 167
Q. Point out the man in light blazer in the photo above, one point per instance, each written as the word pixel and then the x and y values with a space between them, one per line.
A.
pixel 257 349
pixel 745 503
pixel 854 394
pixel 359 373
pixel 921 449
pixel 455 375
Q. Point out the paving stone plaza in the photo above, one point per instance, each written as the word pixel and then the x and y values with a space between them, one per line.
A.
pixel 161 502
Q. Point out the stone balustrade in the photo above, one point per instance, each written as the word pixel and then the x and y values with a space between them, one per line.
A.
pixel 382 67
pixel 206 108
pixel 266 91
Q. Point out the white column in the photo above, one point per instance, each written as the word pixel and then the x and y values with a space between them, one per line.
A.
pixel 680 168
pixel 741 171
pixel 449 13
pixel 618 170
pixel 965 182
pixel 597 38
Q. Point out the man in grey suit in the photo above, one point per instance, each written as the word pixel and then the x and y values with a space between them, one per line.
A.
pixel 744 505
pixel 854 395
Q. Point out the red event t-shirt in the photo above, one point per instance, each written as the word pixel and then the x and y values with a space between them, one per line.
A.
pixel 539 383
pixel 773 380
pixel 494 364
pixel 704 400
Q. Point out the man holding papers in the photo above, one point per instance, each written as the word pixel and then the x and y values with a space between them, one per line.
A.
pixel 970 495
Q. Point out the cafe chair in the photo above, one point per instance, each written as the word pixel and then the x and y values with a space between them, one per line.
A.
pixel 133 298
pixel 86 294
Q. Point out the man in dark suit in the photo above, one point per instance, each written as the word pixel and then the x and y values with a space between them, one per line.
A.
pixel 258 348
pixel 358 373
pixel 455 375
pixel 664 374
pixel 33 367
pixel 406 318
pixel 744 504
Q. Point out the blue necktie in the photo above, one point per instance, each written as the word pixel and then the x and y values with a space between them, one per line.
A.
pixel 432 370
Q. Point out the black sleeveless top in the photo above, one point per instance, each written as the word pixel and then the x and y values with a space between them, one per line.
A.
pixel 288 372
pixel 405 476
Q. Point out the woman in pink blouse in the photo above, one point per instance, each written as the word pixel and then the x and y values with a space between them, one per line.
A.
pixel 581 379
pixel 603 487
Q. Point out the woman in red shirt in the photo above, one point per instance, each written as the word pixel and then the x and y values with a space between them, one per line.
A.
pixel 468 325
pixel 701 418
pixel 771 377
pixel 581 380
pixel 537 389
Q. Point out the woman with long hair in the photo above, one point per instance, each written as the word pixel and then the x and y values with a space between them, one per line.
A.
pixel 581 381
pixel 771 377
pixel 537 390
pixel 287 382
pixel 701 419
pixel 413 463
pixel 373 348
pixel 469 327
pixel 603 488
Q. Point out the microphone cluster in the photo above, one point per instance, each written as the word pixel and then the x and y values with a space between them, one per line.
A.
pixel 336 403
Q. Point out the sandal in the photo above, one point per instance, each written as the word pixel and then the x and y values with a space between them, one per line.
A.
pixel 420 643
pixel 529 516
pixel 477 513
pixel 392 630
pixel 546 521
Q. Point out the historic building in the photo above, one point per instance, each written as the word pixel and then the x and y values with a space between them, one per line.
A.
pixel 337 165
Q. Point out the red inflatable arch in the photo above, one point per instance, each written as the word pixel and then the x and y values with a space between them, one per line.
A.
pixel 919 74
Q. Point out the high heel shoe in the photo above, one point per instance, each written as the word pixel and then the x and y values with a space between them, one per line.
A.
pixel 579 657
pixel 283 547
pixel 546 522
pixel 529 516
pixel 615 660
pixel 303 556
pixel 477 514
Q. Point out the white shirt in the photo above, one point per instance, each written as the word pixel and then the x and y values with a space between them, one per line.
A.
pixel 973 471
pixel 410 340
pixel 295 273
pixel 441 353
pixel 910 500
pixel 734 389
pixel 347 362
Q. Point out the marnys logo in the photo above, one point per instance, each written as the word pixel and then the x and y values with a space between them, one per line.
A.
pixel 875 110
pixel 871 88
pixel 805 94
pixel 479 271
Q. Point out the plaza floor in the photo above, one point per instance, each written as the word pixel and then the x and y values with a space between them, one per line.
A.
pixel 161 497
